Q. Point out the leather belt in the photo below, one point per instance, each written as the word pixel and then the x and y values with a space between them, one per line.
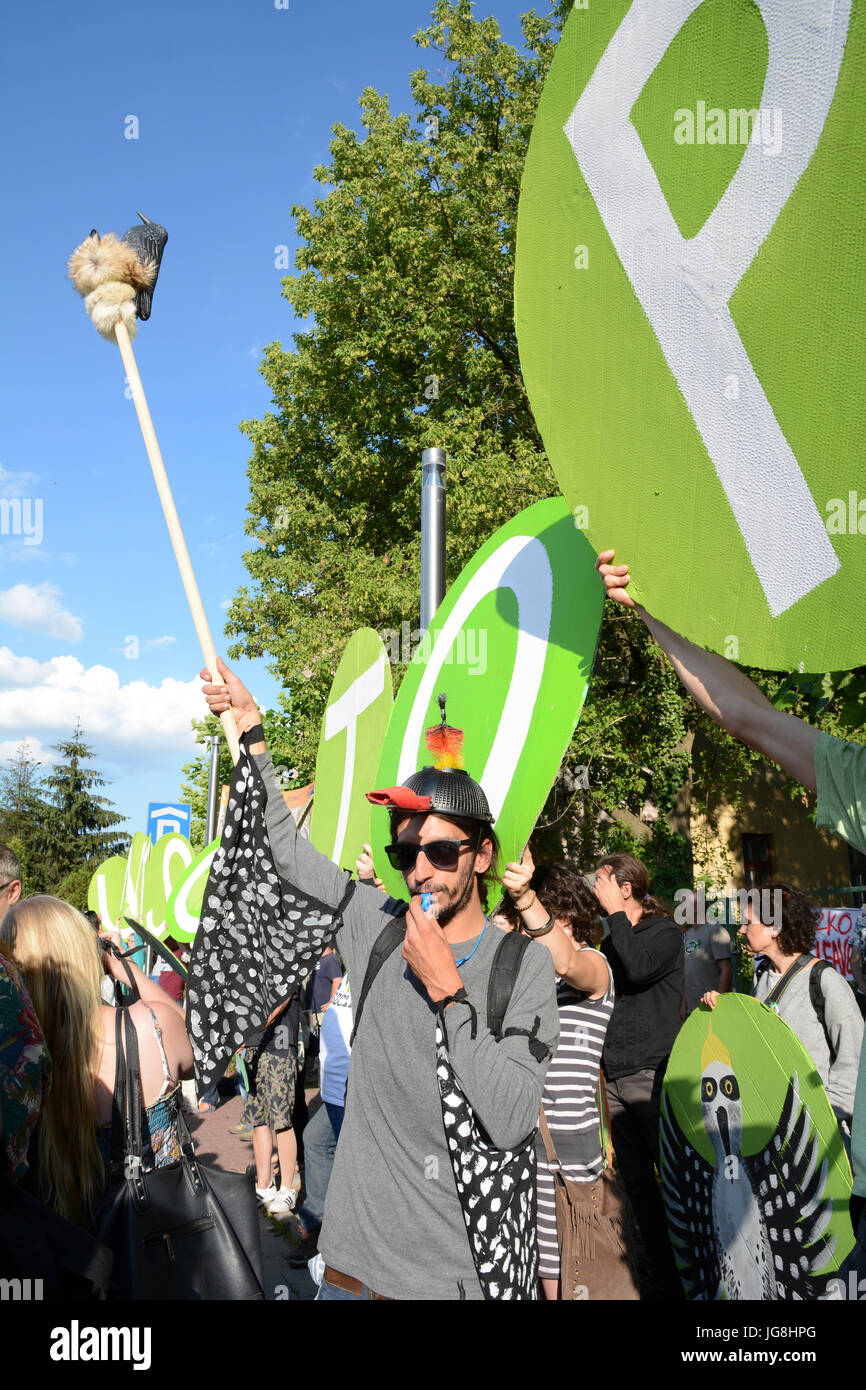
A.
pixel 345 1281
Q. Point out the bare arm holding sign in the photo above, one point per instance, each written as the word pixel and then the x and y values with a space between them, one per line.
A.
pixel 723 691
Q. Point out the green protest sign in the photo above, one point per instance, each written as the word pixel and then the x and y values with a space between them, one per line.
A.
pixel 167 863
pixel 105 891
pixel 754 1174
pixel 183 909
pixel 689 302
pixel 133 883
pixel 512 644
pixel 353 729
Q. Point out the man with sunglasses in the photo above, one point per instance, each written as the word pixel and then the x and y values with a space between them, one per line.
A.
pixel 393 1224
pixel 10 880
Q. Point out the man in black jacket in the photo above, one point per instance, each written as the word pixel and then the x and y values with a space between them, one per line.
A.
pixel 645 951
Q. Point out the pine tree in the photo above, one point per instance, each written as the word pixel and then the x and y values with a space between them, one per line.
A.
pixel 77 825
pixel 22 816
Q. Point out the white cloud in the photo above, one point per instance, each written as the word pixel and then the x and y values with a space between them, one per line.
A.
pixel 16 484
pixel 132 720
pixel 225 603
pixel 35 608
pixel 159 641
pixel 36 750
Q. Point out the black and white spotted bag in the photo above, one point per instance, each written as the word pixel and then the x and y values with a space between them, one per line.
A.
pixel 496 1188
pixel 259 937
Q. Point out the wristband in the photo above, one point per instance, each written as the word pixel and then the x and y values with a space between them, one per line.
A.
pixel 254 735
pixel 539 931
pixel 528 905
pixel 461 997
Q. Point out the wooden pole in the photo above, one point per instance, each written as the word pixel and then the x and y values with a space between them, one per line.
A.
pixel 170 512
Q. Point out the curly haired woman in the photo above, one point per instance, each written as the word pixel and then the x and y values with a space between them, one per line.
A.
pixel 786 944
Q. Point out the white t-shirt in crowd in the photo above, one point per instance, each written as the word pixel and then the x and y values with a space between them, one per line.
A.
pixel 334 1034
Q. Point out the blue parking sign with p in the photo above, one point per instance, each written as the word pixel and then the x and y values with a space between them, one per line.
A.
pixel 168 818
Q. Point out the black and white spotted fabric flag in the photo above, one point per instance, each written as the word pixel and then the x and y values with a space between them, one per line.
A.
pixel 258 939
pixel 496 1188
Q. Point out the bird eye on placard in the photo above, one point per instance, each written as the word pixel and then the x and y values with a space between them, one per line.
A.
pixel 708 1089
pixel 730 1088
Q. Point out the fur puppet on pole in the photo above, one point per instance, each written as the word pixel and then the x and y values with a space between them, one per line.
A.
pixel 116 277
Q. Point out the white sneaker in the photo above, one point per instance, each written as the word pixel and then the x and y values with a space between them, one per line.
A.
pixel 283 1202
pixel 264 1195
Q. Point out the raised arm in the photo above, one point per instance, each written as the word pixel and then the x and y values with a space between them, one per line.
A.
pixel 723 691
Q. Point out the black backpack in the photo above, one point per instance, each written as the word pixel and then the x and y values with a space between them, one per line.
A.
pixel 816 993
pixel 500 986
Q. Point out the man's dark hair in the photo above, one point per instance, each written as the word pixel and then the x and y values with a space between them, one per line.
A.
pixel 10 865
pixel 92 917
pixel 477 831
pixel 562 895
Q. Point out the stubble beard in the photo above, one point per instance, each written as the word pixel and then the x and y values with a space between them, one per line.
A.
pixel 456 897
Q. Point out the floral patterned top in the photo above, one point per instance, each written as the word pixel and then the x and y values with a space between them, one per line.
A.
pixel 160 1140
pixel 25 1069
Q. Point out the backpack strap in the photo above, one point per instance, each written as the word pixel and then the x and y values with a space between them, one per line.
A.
pixel 386 943
pixel 782 984
pixel 503 977
pixel 500 987
pixel 816 995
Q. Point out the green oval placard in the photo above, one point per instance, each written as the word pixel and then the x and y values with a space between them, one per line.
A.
pixel 105 891
pixel 350 743
pixel 512 645
pixel 167 863
pixel 183 909
pixel 695 372
pixel 754 1174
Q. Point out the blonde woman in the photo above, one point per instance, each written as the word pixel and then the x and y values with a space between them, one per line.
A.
pixel 63 965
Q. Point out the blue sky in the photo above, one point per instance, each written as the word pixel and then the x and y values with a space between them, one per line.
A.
pixel 233 103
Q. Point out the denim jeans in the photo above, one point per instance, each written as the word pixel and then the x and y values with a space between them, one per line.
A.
pixel 320 1144
pixel 331 1292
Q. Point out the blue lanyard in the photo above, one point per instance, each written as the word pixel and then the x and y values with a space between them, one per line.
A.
pixel 475 947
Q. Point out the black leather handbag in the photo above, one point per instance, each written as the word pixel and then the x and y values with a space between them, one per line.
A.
pixel 187 1231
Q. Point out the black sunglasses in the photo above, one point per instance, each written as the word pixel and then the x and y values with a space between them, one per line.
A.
pixel 443 854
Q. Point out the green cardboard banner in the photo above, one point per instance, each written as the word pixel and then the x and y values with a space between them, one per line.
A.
pixel 754 1174
pixel 690 296
pixel 105 891
pixel 350 743
pixel 167 863
pixel 183 909
pixel 512 644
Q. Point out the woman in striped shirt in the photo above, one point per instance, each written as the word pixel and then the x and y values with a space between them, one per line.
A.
pixel 554 905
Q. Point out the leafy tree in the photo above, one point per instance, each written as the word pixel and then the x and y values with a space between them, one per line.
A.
pixel 78 825
pixel 405 275
pixel 23 814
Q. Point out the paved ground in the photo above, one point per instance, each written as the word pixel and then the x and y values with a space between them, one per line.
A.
pixel 214 1144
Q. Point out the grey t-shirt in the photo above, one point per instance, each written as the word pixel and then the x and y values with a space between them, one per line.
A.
pixel 704 947
pixel 392 1217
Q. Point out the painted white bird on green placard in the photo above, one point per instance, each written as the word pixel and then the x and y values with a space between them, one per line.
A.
pixel 749 1226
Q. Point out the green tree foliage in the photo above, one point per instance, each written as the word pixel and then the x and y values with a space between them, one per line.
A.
pixel 22 814
pixel 405 285
pixel 55 822
pixel 79 824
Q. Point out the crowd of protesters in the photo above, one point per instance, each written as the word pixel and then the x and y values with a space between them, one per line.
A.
pixel 590 1014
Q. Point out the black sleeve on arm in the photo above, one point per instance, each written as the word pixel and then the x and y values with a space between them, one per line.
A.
pixel 645 961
